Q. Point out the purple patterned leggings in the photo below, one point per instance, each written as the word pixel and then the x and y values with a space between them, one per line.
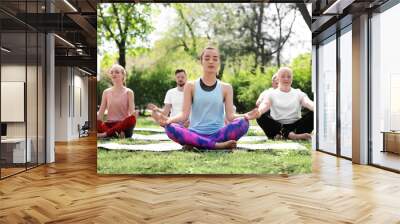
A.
pixel 184 136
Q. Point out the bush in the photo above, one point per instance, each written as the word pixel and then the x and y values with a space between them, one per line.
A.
pixel 102 84
pixel 247 87
pixel 150 86
pixel 301 66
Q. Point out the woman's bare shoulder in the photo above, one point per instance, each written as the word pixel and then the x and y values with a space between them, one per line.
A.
pixel 226 85
pixel 190 83
pixel 107 91
pixel 130 91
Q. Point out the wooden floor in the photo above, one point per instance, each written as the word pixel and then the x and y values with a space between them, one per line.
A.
pixel 386 159
pixel 10 171
pixel 70 191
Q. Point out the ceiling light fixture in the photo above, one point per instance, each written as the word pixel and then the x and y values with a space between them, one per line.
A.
pixel 70 5
pixel 64 40
pixel 5 50
pixel 337 7
pixel 86 72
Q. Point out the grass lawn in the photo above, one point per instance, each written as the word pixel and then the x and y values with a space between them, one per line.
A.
pixel 253 123
pixel 210 162
pixel 146 122
pixel 237 162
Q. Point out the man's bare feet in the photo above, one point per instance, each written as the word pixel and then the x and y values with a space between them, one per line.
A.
pixel 231 144
pixel 101 135
pixel 303 136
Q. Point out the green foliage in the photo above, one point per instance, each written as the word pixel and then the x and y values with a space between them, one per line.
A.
pixel 149 86
pixel 106 62
pixel 123 24
pixel 301 66
pixel 248 86
pixel 102 84
pixel 151 68
pixel 150 83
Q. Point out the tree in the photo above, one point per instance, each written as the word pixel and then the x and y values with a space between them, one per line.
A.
pixel 186 24
pixel 267 28
pixel 257 29
pixel 192 29
pixel 124 24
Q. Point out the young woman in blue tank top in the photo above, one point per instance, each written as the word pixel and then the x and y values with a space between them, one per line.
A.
pixel 207 100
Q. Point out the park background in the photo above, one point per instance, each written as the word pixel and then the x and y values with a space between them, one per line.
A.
pixel 153 40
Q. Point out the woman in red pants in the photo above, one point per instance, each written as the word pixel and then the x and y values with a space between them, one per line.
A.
pixel 118 100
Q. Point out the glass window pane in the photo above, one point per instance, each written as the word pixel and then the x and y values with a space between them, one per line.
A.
pixel 327 96
pixel 385 86
pixel 22 87
pixel 41 99
pixel 346 94
pixel 31 101
pixel 13 84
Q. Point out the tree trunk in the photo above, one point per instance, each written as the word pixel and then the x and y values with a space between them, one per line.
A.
pixel 122 54
pixel 278 58
pixel 260 47
pixel 221 70
pixel 278 53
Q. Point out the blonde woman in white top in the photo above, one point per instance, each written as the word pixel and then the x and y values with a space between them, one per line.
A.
pixel 285 104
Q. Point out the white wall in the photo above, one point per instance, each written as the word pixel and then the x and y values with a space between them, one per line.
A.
pixel 12 73
pixel 61 103
pixel 70 84
pixel 50 98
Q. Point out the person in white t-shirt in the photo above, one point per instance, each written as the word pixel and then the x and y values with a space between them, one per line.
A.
pixel 173 101
pixel 285 104
pixel 264 93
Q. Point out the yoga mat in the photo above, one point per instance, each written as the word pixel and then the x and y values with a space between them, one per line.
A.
pixel 172 146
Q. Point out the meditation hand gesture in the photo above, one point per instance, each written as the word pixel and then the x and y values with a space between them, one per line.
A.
pixel 160 118
pixel 253 114
pixel 151 106
pixel 164 121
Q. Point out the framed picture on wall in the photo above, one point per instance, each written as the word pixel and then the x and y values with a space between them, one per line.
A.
pixel 12 101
